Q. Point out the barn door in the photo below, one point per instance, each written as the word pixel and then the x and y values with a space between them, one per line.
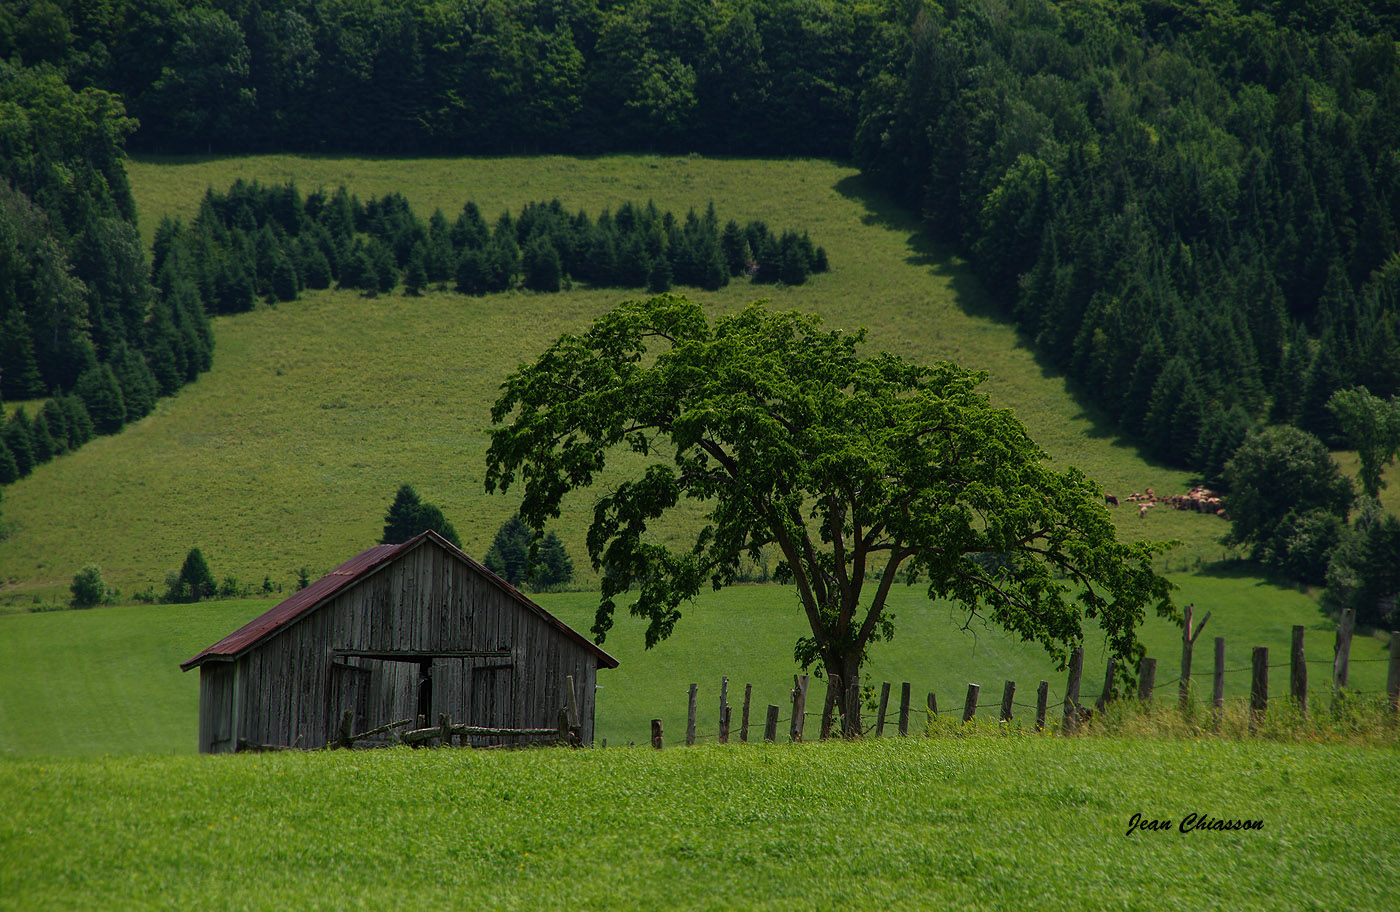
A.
pixel 376 691
pixel 492 697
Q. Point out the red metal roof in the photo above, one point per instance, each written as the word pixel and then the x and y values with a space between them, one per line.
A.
pixel 352 571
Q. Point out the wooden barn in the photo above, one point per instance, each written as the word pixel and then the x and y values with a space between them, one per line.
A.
pixel 394 633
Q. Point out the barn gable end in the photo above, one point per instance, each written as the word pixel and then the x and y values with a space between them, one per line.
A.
pixel 397 631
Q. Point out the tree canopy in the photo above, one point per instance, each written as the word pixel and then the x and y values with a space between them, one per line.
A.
pixel 858 470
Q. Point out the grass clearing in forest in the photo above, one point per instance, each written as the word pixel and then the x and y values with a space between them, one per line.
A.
pixel 289 451
pixel 985 822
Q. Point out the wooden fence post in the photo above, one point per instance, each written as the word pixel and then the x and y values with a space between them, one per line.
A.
pixel 904 695
pixel 1147 679
pixel 970 705
pixel 1217 699
pixel 1298 671
pixel 884 704
pixel 1342 651
pixel 770 728
pixel 724 709
pixel 1259 687
pixel 1188 645
pixel 833 689
pixel 1392 676
pixel 571 703
pixel 445 730
pixel 744 724
pixel 932 703
pixel 799 708
pixel 347 723
pixel 1107 696
pixel 1076 669
pixel 1042 699
pixel 1007 693
pixel 656 733
pixel 690 719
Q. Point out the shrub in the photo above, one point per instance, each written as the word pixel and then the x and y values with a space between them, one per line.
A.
pixel 88 588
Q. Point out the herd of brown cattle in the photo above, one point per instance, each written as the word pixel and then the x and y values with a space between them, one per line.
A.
pixel 1200 498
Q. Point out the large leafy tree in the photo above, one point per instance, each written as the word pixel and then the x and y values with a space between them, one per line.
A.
pixel 858 470
pixel 1288 500
pixel 1371 425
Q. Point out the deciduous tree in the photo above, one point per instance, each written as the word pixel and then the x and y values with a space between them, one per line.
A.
pixel 859 470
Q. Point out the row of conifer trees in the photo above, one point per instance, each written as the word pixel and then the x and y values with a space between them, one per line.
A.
pixel 270 242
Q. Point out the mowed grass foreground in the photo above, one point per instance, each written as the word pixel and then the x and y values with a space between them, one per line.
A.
pixel 289 451
pixel 986 822
pixel 125 694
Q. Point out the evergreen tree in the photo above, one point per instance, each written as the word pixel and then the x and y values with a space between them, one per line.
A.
pixel 9 469
pixel 408 516
pixel 357 269
pixel 316 270
pixel 502 262
pixel 415 277
pixel 284 284
pixel 633 263
pixel 193 582
pixel 542 267
pixel 138 386
pixel 1290 380
pixel 385 267
pixel 795 261
pixel 79 422
pixel 19 371
pixel 554 568
pixel 44 446
pixel 472 275
pixel 102 397
pixel 20 443
pixel 509 554
pixel 734 246
pixel 660 278
pixel 55 418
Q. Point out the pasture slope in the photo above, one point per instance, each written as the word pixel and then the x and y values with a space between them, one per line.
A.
pixel 288 452
pixel 286 455
pixel 987 822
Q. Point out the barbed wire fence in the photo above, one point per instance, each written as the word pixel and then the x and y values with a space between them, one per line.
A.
pixel 842 712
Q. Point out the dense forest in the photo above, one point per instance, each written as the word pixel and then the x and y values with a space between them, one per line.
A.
pixel 1191 207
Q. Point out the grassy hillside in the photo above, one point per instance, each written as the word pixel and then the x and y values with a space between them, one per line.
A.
pixel 977 823
pixel 121 690
pixel 288 452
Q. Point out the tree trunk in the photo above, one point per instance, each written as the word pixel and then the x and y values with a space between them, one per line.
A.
pixel 848 667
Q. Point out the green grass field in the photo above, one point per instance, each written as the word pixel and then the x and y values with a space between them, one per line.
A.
pixel 985 822
pixel 121 690
pixel 288 452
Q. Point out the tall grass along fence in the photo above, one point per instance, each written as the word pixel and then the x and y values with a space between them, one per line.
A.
pixel 1075 715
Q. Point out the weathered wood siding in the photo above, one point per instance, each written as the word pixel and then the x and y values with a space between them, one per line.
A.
pixel 293 688
pixel 216 707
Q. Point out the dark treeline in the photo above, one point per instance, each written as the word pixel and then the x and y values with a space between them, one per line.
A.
pixel 268 242
pixel 465 76
pixel 80 322
pixel 1191 208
